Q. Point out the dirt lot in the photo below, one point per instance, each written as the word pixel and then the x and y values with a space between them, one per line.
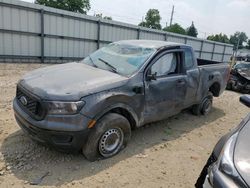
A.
pixel 170 153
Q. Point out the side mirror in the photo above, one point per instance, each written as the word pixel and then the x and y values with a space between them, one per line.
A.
pixel 151 76
pixel 245 99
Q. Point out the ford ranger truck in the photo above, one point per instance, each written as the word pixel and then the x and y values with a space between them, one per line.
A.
pixel 92 105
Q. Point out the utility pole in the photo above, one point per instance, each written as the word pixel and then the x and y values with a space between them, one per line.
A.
pixel 234 60
pixel 172 14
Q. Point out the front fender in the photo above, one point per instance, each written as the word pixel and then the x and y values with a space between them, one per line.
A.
pixel 101 103
pixel 119 105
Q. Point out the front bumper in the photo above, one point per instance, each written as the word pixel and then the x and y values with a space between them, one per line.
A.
pixel 65 133
pixel 207 183
pixel 221 180
pixel 243 85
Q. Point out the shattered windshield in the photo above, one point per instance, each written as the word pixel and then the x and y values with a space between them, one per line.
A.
pixel 123 59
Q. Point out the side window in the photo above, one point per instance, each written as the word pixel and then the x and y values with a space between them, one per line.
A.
pixel 189 63
pixel 165 65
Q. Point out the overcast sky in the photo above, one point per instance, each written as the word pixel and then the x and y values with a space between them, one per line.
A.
pixel 210 17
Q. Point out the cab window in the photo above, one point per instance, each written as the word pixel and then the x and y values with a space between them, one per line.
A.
pixel 165 65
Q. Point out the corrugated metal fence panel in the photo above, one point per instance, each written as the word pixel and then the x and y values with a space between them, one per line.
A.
pixel 20 20
pixel 19 45
pixel 195 44
pixel 217 57
pixel 175 39
pixel 61 26
pixel 14 19
pixel 112 33
pixel 219 49
pixel 151 36
pixel 228 50
pixel 208 47
pixel 68 48
pixel 197 54
pixel 68 36
pixel 227 58
pixel 206 55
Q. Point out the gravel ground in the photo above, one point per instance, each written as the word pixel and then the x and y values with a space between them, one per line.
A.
pixel 170 153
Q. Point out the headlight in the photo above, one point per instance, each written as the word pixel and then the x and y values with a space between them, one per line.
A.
pixel 226 164
pixel 210 174
pixel 57 107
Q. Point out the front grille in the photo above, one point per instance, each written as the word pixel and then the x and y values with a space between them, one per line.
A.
pixel 30 104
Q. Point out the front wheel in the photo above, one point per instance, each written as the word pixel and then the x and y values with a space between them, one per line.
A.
pixel 205 106
pixel 108 137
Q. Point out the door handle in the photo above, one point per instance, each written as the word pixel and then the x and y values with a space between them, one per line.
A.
pixel 181 82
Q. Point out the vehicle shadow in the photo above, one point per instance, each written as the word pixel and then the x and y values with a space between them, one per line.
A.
pixel 28 160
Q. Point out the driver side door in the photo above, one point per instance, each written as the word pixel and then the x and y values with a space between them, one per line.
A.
pixel 165 86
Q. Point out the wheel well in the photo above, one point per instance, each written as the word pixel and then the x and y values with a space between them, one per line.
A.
pixel 126 114
pixel 215 89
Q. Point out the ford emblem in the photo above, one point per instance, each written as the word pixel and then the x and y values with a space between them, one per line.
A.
pixel 24 100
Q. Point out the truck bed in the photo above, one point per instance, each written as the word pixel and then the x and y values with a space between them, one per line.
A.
pixel 212 72
pixel 201 62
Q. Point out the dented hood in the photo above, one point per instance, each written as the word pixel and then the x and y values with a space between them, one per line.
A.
pixel 244 73
pixel 69 81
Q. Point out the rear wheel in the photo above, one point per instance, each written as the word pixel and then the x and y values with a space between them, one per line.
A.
pixel 108 137
pixel 205 106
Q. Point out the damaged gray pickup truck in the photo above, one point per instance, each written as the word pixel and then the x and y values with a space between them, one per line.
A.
pixel 92 105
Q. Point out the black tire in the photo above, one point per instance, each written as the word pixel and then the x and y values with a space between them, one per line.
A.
pixel 205 106
pixel 110 128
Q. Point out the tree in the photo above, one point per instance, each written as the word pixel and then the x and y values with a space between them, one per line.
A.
pixel 192 31
pixel 248 44
pixel 238 37
pixel 81 6
pixel 152 19
pixel 103 17
pixel 107 17
pixel 175 28
pixel 219 38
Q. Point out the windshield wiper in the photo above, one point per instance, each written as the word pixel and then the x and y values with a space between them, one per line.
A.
pixel 106 63
pixel 92 62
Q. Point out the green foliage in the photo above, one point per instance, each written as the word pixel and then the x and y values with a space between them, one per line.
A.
pixel 80 6
pixel 219 38
pixel 107 17
pixel 192 31
pixel 103 17
pixel 238 37
pixel 248 44
pixel 152 19
pixel 175 28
